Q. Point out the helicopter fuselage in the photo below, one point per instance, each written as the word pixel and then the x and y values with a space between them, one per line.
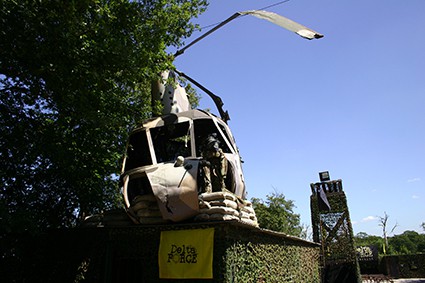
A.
pixel 164 158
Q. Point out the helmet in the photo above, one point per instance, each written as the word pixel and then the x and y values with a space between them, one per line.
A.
pixel 211 142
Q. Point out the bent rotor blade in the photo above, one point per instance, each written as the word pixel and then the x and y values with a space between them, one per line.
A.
pixel 265 15
pixel 285 23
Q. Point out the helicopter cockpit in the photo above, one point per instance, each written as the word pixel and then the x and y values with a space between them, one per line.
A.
pixel 165 153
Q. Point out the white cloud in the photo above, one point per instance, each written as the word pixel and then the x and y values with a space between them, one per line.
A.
pixel 369 218
pixel 415 197
pixel 413 180
pixel 365 219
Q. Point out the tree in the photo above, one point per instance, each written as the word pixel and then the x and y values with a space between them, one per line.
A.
pixel 276 213
pixel 74 78
pixel 409 242
pixel 383 223
pixel 363 239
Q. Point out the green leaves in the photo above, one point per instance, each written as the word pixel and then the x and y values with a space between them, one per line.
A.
pixel 276 213
pixel 409 242
pixel 74 79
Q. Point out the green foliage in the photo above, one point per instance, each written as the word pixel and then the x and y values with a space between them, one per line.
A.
pixel 74 78
pixel 409 242
pixel 363 239
pixel 276 213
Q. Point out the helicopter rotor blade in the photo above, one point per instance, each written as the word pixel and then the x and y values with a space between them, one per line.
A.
pixel 265 15
pixel 285 23
pixel 231 18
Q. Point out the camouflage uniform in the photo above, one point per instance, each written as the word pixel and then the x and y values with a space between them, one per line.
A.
pixel 215 167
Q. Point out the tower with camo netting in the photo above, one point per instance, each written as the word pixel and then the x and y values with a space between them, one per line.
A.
pixel 332 228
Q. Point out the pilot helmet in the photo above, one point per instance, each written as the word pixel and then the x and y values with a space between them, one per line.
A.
pixel 211 142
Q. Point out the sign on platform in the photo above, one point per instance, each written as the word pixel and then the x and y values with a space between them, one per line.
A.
pixel 186 254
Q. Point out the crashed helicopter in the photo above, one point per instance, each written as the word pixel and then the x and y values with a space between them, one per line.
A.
pixel 185 163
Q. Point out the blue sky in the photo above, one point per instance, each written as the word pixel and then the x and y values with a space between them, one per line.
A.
pixel 351 103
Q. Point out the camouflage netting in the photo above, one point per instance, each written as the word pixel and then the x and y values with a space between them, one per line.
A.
pixel 404 266
pixel 242 253
pixel 332 228
pixel 267 258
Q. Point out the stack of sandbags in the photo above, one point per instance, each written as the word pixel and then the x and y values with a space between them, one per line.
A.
pixel 247 213
pixel 217 206
pixel 225 206
pixel 145 210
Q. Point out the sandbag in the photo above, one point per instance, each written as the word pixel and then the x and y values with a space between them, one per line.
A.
pixel 202 217
pixel 225 217
pixel 204 204
pixel 147 197
pixel 225 202
pixel 219 210
pixel 247 215
pixel 247 209
pixel 225 206
pixel 217 196
pixel 148 213
pixel 141 205
pixel 249 222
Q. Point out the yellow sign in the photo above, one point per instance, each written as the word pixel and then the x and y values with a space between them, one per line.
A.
pixel 186 254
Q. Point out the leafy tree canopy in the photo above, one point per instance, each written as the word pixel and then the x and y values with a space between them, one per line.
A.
pixel 276 213
pixel 74 77
pixel 363 239
pixel 409 242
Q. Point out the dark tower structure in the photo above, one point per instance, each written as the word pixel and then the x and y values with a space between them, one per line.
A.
pixel 332 228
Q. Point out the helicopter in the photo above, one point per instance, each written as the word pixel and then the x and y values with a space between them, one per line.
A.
pixel 185 164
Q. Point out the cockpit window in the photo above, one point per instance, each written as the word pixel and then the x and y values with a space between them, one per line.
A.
pixel 138 151
pixel 170 141
pixel 204 128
